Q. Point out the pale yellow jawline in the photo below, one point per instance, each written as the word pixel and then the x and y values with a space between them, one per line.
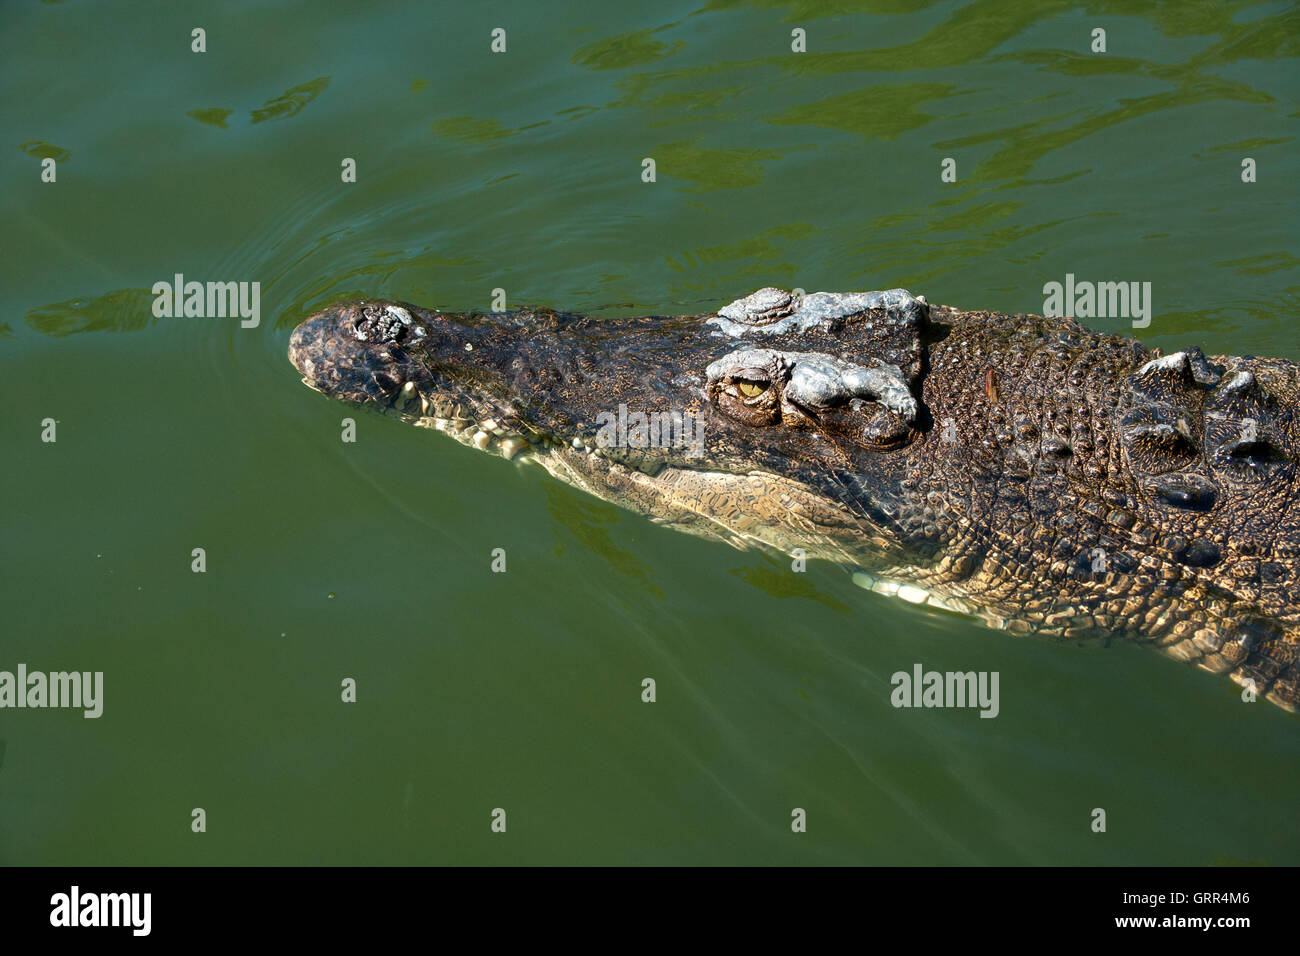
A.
pixel 682 493
pixel 682 490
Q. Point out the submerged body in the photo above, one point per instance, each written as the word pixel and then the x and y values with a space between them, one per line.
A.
pixel 1025 470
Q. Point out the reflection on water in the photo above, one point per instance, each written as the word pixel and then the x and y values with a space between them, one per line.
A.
pixel 467 129
pixel 45 151
pixel 124 310
pixel 291 101
pixel 777 581
pixel 637 48
pixel 881 112
pixel 213 117
pixel 588 520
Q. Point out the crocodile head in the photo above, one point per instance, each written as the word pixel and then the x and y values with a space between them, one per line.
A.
pixel 1043 477
pixel 780 420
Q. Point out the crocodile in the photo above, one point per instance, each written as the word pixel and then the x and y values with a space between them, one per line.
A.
pixel 1027 471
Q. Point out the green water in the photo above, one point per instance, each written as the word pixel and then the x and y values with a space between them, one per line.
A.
pixel 522 171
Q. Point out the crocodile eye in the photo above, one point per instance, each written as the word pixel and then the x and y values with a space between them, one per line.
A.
pixel 747 395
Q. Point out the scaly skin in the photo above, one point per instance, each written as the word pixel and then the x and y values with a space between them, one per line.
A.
pixel 1043 477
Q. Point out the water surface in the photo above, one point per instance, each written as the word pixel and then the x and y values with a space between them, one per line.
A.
pixel 522 171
